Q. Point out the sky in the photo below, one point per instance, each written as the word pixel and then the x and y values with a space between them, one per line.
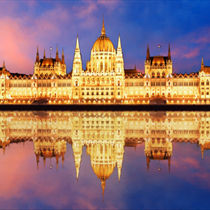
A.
pixel 27 24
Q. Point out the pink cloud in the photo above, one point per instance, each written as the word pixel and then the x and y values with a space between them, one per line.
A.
pixel 193 53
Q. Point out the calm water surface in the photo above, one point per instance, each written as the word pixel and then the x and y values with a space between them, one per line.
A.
pixel 104 160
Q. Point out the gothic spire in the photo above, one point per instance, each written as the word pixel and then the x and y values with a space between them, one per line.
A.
pixel 169 52
pixel 103 31
pixel 57 58
pixel 37 55
pixel 63 61
pixel 148 54
pixel 3 65
pixel 44 54
pixel 119 42
pixel 77 43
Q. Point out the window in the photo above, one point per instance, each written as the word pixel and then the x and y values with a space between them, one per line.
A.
pixel 107 93
pixel 202 83
pixel 92 93
pixel 112 93
pixel 102 93
pixel 207 82
pixel 152 83
pixel 118 93
pixel 101 66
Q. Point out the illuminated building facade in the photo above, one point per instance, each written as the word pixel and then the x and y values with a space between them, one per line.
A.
pixel 105 80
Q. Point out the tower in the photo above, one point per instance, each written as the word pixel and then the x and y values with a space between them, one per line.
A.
pixel 77 62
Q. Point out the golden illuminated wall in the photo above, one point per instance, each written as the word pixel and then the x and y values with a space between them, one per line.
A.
pixel 105 80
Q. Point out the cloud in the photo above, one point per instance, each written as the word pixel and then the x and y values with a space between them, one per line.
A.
pixel 193 53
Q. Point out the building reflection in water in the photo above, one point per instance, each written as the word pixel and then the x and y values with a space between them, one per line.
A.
pixel 105 135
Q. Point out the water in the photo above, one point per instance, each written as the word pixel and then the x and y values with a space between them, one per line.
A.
pixel 104 160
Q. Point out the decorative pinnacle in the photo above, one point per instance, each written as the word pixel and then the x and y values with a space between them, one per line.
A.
pixel 103 31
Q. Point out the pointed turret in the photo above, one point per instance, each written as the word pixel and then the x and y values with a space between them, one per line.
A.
pixel 202 65
pixel 77 171
pixel 169 164
pixel 148 160
pixel 63 159
pixel 3 67
pixel 37 161
pixel 63 61
pixel 44 160
pixel 119 173
pixel 37 55
pixel 119 43
pixel 44 55
pixel 103 31
pixel 169 52
pixel 148 54
pixel 57 159
pixel 57 58
pixel 77 43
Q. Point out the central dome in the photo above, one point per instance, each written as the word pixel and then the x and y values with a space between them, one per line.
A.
pixel 103 43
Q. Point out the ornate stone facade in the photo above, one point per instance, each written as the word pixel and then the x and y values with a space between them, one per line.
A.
pixel 105 80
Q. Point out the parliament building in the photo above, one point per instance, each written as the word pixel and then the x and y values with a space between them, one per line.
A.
pixel 105 80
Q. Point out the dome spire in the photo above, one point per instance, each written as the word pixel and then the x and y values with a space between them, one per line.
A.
pixel 103 31
pixel 103 185
pixel 44 54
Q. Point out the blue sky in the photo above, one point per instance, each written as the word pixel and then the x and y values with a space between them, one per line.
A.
pixel 183 24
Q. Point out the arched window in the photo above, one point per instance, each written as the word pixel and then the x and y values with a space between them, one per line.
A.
pixel 107 81
pixel 106 66
pixel 207 82
pixel 101 66
pixel 76 83
pixel 153 74
pixel 163 74
pixel 118 83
